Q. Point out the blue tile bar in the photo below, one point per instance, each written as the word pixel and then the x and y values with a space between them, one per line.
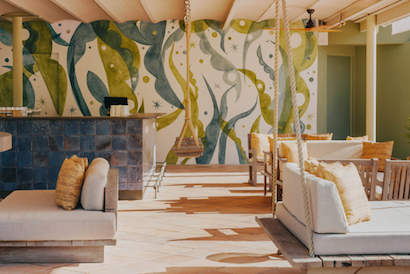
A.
pixel 40 145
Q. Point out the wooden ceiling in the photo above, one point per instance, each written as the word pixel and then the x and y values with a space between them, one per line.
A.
pixel 330 11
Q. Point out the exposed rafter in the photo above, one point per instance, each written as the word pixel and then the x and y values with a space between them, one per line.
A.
pixel 389 16
pixel 224 11
pixel 360 9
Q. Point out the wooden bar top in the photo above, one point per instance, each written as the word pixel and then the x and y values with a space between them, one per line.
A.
pixel 131 116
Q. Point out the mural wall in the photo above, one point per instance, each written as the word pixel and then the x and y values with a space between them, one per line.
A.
pixel 69 67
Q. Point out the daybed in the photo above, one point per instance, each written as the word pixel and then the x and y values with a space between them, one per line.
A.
pixel 327 150
pixel 351 248
pixel 34 229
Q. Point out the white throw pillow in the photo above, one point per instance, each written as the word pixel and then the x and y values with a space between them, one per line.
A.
pixel 92 194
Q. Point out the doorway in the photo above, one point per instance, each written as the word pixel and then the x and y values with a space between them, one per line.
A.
pixel 338 96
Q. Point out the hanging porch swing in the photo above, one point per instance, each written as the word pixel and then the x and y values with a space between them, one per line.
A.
pixel 186 146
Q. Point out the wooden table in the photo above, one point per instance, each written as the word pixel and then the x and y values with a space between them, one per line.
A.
pixel 5 141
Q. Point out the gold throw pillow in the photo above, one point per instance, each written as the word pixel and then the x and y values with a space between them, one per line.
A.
pixel 69 182
pixel 382 151
pixel 311 165
pixel 260 142
pixel 359 138
pixel 322 165
pixel 290 151
pixel 351 191
pixel 320 136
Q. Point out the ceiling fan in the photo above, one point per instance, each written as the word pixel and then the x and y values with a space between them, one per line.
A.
pixel 311 25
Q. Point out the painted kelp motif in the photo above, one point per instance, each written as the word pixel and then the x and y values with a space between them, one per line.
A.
pixel 69 67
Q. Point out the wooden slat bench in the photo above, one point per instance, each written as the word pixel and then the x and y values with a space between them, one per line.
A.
pixel 298 255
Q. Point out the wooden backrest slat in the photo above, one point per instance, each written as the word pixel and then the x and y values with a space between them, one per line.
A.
pixel 407 187
pixel 397 183
pixel 390 188
pixel 362 172
pixel 402 182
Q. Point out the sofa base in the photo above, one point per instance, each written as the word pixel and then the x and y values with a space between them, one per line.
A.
pixel 298 255
pixel 75 251
pixel 52 254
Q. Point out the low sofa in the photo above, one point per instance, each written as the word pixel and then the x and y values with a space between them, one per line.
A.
pixel 386 233
pixel 34 229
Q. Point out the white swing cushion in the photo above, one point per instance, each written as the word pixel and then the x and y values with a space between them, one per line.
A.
pixel 326 209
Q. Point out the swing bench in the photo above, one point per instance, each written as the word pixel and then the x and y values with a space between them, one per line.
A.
pixel 311 217
pixel 185 146
pixel 376 246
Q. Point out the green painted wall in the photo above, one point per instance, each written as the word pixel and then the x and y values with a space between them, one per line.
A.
pixel 393 95
pixel 338 96
pixel 323 53
pixel 359 126
pixel 393 82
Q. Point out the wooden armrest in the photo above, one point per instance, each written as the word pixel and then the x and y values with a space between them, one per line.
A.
pixel 280 159
pixel 111 192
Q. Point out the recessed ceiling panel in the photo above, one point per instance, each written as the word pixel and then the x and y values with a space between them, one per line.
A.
pixel 161 10
pixel 252 10
pixel 124 10
pixel 85 10
pixel 8 8
pixel 45 9
pixel 199 11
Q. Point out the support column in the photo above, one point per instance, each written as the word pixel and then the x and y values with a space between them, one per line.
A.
pixel 371 60
pixel 17 61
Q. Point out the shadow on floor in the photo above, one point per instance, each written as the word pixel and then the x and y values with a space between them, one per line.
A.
pixel 231 234
pixel 228 270
pixel 222 205
pixel 242 258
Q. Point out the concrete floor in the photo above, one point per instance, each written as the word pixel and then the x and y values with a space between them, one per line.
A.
pixel 200 223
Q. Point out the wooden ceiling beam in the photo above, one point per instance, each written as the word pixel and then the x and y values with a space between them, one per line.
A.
pixel 389 16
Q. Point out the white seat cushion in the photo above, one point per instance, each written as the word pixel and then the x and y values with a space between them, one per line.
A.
pixel 387 232
pixel 326 209
pixel 32 215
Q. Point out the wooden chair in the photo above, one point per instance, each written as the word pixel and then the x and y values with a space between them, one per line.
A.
pixel 253 162
pixel 396 182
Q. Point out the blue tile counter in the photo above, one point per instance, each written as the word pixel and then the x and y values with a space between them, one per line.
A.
pixel 40 145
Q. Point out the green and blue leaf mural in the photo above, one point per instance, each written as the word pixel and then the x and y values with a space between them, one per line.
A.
pixel 70 67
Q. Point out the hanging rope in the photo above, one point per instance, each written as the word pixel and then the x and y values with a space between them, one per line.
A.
pixel 190 147
pixel 297 127
pixel 275 112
